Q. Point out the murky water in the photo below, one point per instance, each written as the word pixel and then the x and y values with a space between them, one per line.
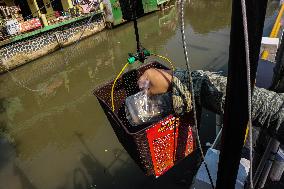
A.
pixel 62 139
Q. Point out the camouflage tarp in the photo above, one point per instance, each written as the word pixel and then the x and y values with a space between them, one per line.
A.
pixel 210 92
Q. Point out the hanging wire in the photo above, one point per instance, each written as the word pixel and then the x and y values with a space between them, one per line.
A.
pixel 182 2
pixel 165 58
pixel 113 85
pixel 243 3
pixel 20 83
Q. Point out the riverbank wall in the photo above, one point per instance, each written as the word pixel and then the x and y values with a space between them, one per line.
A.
pixel 29 48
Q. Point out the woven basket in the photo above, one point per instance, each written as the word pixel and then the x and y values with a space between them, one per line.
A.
pixel 155 148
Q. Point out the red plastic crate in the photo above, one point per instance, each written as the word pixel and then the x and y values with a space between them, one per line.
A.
pixel 162 139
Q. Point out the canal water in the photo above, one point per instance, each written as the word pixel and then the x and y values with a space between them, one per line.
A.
pixel 59 135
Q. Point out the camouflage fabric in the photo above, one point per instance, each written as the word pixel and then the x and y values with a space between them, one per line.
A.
pixel 210 91
pixel 180 93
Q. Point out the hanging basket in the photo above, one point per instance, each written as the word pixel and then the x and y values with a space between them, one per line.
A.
pixel 157 147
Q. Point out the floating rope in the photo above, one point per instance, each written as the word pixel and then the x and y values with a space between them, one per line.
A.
pixel 20 83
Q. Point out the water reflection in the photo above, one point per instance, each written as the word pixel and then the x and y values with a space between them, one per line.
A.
pixel 206 16
pixel 63 139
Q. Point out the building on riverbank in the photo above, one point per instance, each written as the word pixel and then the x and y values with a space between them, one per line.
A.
pixel 37 27
pixel 33 28
pixel 33 45
pixel 18 17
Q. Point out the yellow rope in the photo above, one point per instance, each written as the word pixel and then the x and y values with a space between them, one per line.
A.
pixel 247 132
pixel 165 58
pixel 113 85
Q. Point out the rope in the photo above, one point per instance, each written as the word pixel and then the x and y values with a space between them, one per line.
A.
pixel 113 85
pixel 243 3
pixel 165 58
pixel 192 90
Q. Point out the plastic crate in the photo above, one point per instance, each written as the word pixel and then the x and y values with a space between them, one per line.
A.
pixel 155 148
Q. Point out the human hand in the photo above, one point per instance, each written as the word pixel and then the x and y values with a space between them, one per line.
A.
pixel 159 80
